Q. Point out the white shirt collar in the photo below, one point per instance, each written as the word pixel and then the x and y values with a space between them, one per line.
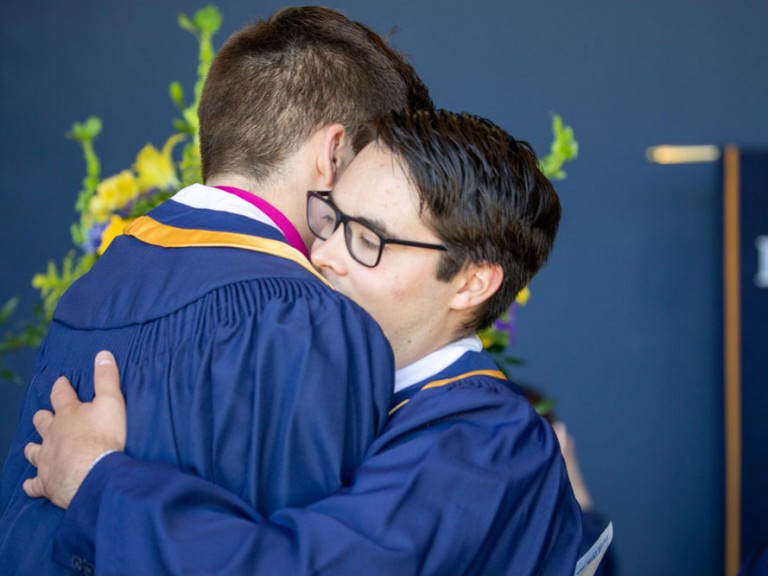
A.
pixel 210 198
pixel 435 362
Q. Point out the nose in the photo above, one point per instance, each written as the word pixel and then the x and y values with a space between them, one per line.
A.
pixel 330 254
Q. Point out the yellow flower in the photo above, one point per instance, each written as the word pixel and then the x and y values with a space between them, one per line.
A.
pixel 98 209
pixel 156 168
pixel 113 193
pixel 486 338
pixel 523 296
pixel 112 231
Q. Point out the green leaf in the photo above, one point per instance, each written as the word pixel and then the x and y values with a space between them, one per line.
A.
pixel 205 23
pixel 143 205
pixel 191 117
pixel 85 134
pixel 208 20
pixel 6 374
pixel 513 360
pixel 87 131
pixel 564 149
pixel 190 164
pixel 187 24
pixel 77 233
pixel 545 406
pixel 8 309
pixel 177 94
pixel 29 335
pixel 181 126
pixel 52 284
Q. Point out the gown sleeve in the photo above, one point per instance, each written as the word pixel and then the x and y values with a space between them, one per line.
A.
pixel 460 482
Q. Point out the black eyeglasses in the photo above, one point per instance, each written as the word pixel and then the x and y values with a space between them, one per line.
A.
pixel 363 243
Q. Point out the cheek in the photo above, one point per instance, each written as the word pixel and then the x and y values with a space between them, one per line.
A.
pixel 382 295
pixel 390 290
pixel 402 292
pixel 410 282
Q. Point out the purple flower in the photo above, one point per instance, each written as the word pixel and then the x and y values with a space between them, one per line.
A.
pixel 93 237
pixel 506 323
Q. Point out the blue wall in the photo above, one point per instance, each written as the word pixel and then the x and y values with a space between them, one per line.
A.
pixel 624 324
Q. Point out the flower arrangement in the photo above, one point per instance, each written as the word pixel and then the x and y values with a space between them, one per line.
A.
pixel 106 205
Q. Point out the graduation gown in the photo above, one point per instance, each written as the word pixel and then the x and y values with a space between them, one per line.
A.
pixel 238 366
pixel 465 479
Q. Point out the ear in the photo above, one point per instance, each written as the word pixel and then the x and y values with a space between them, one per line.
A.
pixel 476 284
pixel 334 154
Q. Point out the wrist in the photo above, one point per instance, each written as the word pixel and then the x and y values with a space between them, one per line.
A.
pixel 98 459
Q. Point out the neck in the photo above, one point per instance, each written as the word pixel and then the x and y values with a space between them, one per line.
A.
pixel 286 186
pixel 284 196
pixel 410 350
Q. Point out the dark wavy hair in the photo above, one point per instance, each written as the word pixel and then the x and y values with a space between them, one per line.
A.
pixel 481 192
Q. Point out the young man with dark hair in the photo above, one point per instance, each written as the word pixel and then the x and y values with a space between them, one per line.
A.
pixel 248 370
pixel 435 226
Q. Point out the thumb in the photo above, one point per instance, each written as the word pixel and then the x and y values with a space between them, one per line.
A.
pixel 562 435
pixel 62 394
pixel 106 378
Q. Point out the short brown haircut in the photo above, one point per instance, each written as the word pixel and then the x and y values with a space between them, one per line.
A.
pixel 480 191
pixel 278 80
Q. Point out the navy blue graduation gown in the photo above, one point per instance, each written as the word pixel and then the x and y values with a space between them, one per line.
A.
pixel 465 479
pixel 238 367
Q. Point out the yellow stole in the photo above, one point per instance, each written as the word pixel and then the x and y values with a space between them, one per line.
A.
pixel 151 231
pixel 437 383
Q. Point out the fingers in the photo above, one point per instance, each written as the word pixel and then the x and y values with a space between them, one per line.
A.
pixel 62 394
pixel 31 451
pixel 106 378
pixel 41 420
pixel 33 487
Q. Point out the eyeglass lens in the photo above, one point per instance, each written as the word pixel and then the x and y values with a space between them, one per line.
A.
pixel 364 244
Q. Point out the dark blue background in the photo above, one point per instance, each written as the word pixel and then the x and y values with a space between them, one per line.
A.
pixel 624 326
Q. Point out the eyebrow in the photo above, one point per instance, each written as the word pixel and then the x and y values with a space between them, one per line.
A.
pixel 373 223
pixel 376 226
